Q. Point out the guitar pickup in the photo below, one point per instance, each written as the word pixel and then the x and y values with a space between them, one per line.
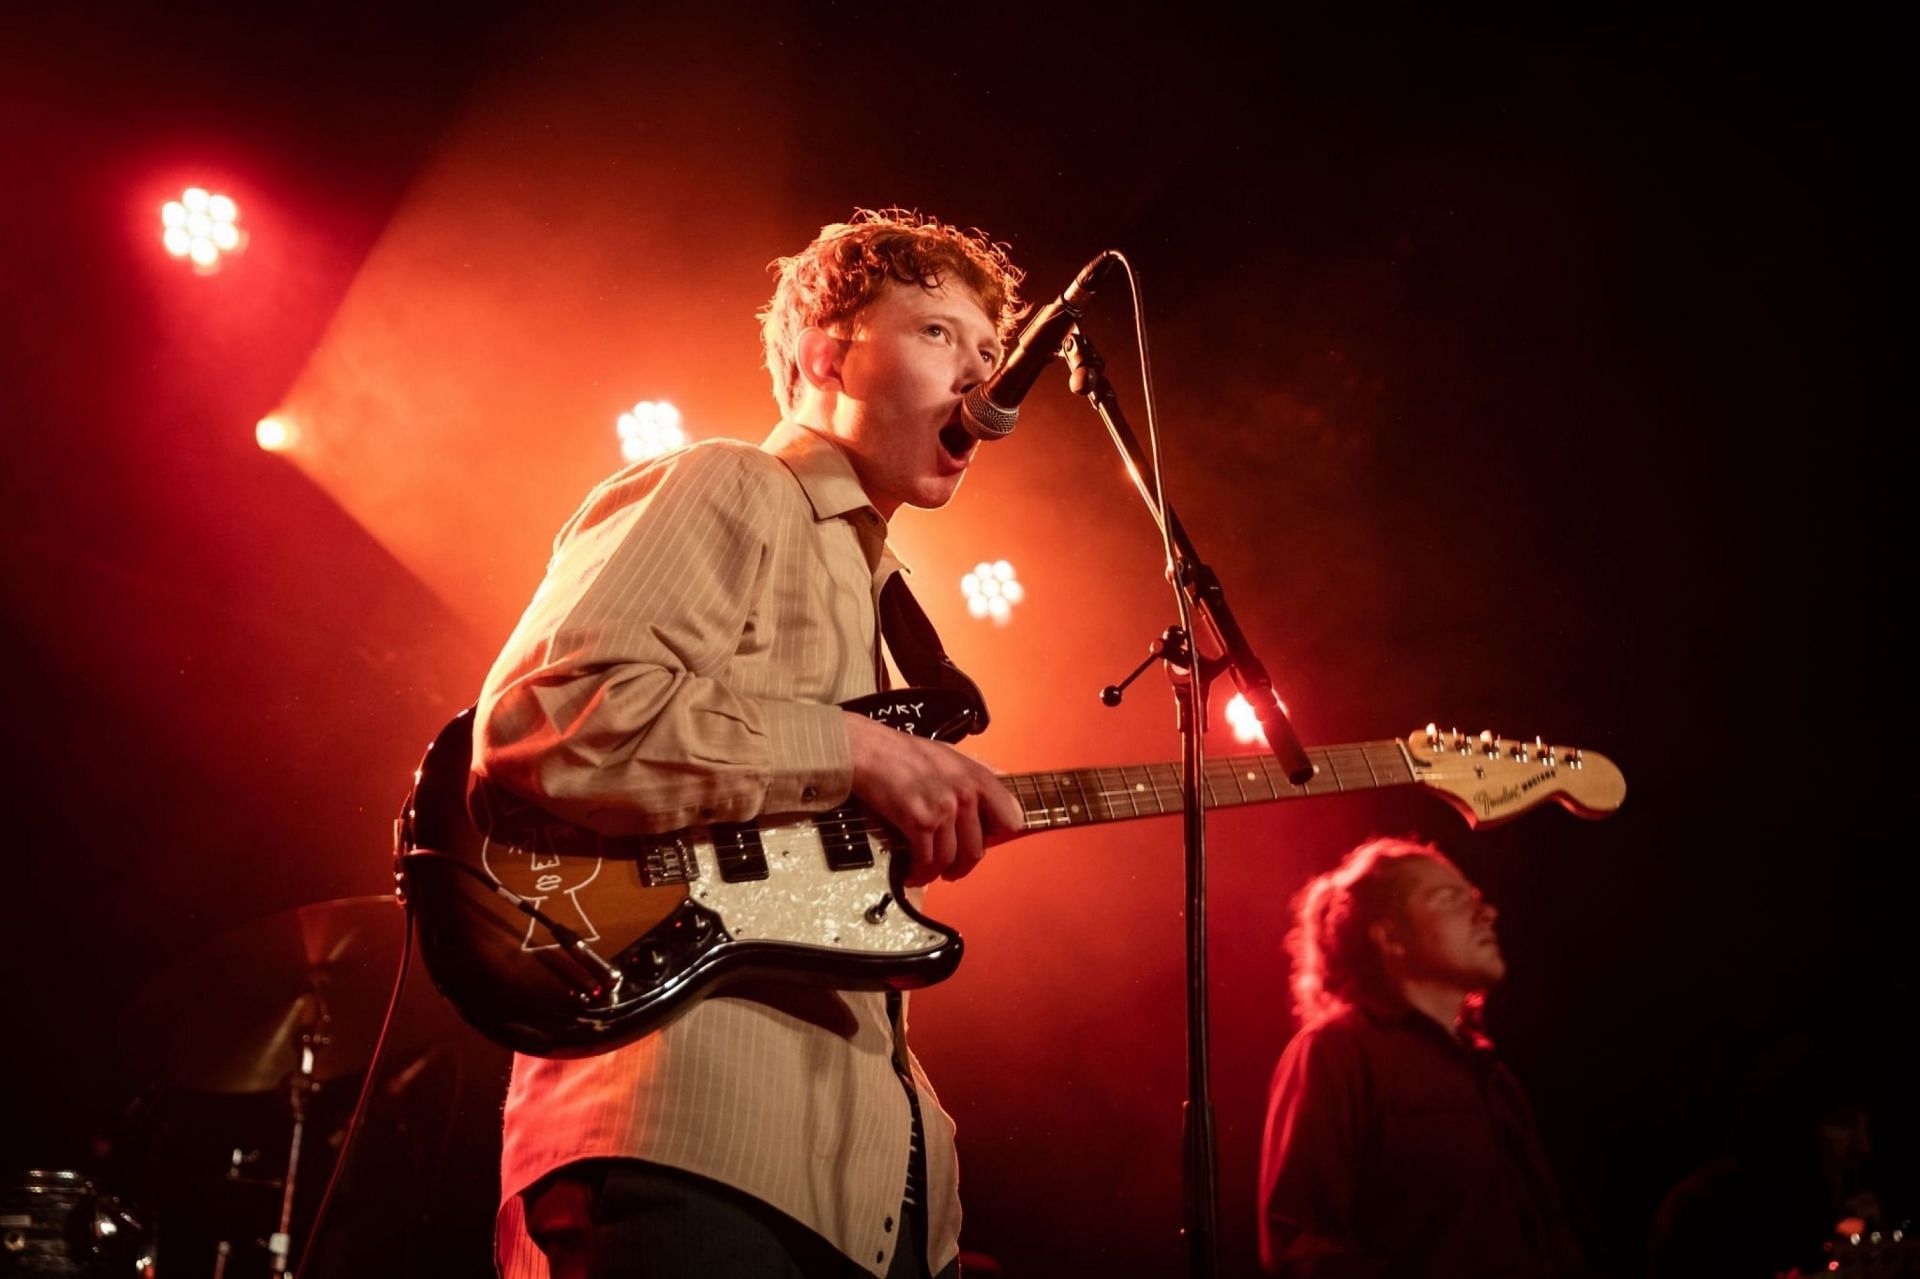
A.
pixel 736 846
pixel 843 837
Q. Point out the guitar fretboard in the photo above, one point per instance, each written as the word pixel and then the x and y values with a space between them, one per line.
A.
pixel 1084 796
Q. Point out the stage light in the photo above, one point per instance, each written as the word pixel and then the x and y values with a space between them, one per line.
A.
pixel 201 226
pixel 652 428
pixel 1245 724
pixel 992 590
pixel 275 435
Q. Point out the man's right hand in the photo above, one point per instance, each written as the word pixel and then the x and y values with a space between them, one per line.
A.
pixel 950 807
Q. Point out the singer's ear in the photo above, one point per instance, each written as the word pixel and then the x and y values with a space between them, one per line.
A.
pixel 818 353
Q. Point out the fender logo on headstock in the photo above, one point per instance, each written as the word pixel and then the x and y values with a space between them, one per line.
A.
pixel 1489 804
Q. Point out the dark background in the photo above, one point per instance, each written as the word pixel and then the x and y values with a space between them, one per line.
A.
pixel 1521 371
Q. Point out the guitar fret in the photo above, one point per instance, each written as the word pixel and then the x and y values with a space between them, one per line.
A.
pixel 1234 772
pixel 1059 799
pixel 1102 811
pixel 1133 784
pixel 1115 783
pixel 1044 810
pixel 1080 811
pixel 1165 780
pixel 1040 804
pixel 1267 774
pixel 1390 763
pixel 1034 810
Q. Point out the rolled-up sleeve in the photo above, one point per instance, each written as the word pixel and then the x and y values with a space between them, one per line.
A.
pixel 611 704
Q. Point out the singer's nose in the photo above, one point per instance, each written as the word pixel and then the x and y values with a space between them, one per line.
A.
pixel 972 371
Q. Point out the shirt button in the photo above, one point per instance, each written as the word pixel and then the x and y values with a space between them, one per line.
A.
pixel 809 794
pixel 887 1225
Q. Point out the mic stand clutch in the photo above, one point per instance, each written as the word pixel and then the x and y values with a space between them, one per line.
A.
pixel 1207 603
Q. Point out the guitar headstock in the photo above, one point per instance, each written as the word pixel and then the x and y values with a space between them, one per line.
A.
pixel 1491 778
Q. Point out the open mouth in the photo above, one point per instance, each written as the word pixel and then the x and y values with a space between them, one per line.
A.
pixel 957 440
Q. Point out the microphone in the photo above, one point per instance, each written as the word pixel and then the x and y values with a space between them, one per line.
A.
pixel 990 410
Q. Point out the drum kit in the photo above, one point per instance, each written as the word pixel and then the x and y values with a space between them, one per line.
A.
pixel 255 1045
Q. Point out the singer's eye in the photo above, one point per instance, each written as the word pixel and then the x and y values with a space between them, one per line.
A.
pixel 935 330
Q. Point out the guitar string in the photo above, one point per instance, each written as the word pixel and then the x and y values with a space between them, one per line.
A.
pixel 1158 786
pixel 1337 770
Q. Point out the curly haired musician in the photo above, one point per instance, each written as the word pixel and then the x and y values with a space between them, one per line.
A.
pixel 681 663
pixel 1396 1142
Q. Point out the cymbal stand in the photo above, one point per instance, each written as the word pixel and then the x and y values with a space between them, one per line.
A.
pixel 299 1089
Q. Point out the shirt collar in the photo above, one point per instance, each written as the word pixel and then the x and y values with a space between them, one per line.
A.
pixel 832 489
pixel 1466 1035
pixel 825 474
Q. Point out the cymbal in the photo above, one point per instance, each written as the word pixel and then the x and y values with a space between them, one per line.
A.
pixel 231 1015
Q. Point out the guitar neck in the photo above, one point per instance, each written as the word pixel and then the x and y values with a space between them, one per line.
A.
pixel 1085 796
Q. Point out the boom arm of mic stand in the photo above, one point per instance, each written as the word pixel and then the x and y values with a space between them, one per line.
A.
pixel 1191 574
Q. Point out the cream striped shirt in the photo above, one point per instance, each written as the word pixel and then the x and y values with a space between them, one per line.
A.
pixel 680 663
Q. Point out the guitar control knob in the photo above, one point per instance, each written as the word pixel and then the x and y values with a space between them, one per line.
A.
pixel 879 908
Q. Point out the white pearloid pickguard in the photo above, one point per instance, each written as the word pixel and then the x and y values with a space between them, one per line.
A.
pixel 803 901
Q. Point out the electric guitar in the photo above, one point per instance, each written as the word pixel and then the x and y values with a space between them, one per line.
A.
pixel 559 941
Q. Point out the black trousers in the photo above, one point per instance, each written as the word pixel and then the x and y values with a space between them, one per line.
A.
pixel 627 1219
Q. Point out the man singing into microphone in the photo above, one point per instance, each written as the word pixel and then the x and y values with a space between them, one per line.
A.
pixel 700 619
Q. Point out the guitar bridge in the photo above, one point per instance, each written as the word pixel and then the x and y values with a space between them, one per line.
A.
pixel 668 859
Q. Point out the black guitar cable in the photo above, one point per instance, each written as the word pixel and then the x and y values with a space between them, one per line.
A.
pixel 570 941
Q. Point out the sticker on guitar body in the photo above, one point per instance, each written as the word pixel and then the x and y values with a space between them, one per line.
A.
pixel 534 868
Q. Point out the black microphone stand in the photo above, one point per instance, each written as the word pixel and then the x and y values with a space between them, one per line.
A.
pixel 1191 672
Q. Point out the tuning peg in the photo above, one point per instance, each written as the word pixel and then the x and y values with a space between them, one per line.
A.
pixel 1544 751
pixel 1520 752
pixel 1460 740
pixel 1489 745
pixel 1433 736
pixel 1573 758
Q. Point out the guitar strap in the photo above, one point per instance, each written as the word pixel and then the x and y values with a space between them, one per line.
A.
pixel 922 659
pixel 917 650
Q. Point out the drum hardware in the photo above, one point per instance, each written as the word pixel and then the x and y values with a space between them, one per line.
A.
pixel 286 1003
pixel 58 1223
